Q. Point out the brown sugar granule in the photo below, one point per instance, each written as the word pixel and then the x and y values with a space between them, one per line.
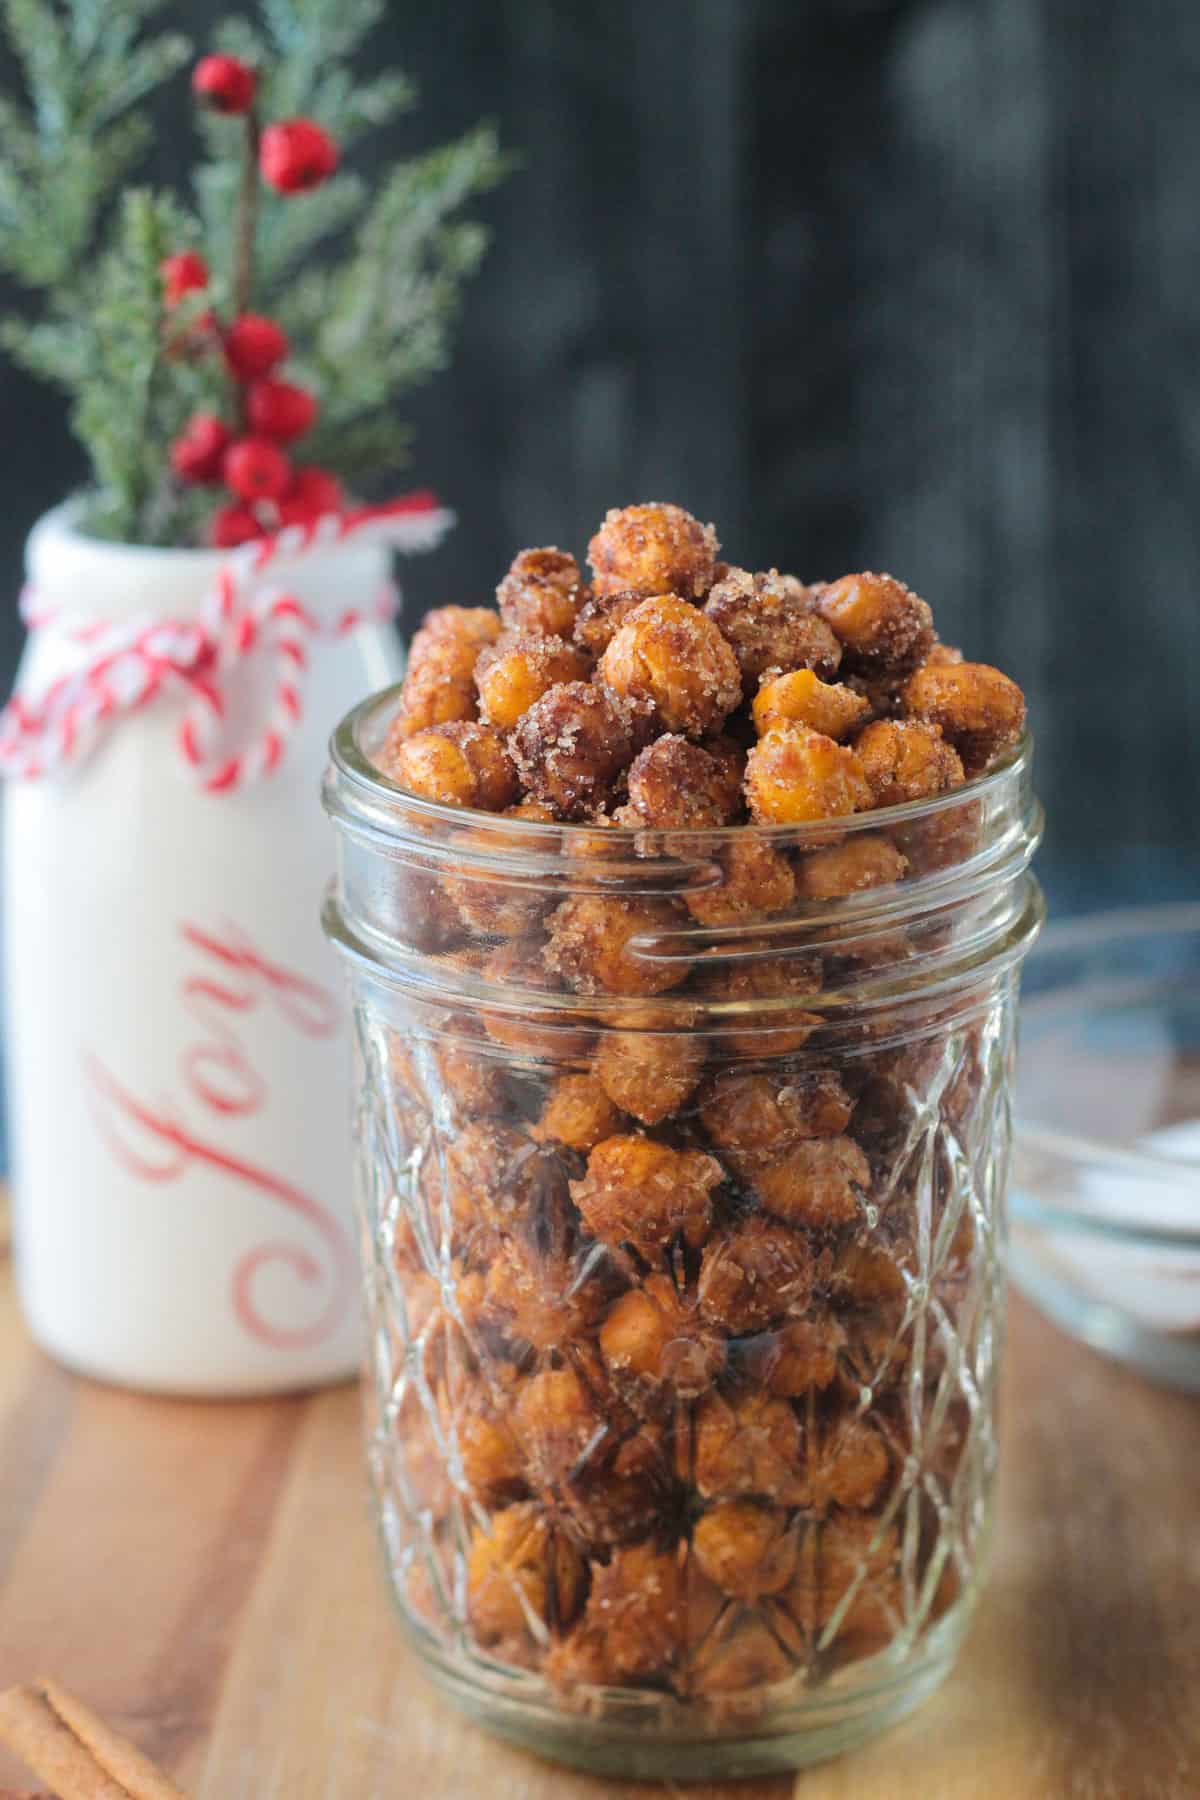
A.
pixel 649 1074
pixel 907 760
pixel 820 1183
pixel 675 785
pixel 746 1548
pixel 604 945
pixel 653 549
pixel 572 744
pixel 517 670
pixel 795 776
pixel 643 1193
pixel 543 592
pixel 771 622
pixel 883 627
pixel 671 658
pixel 519 1568
pixel 460 764
pixel 754 1273
pixel 980 711
pixel 800 698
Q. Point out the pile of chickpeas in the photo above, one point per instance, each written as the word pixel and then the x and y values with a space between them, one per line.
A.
pixel 680 1256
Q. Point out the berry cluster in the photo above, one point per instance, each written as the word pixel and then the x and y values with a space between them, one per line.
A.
pixel 249 454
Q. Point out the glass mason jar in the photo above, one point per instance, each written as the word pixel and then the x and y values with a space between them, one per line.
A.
pixel 681 1176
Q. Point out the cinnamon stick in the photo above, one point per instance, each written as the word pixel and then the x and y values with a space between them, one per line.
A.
pixel 68 1745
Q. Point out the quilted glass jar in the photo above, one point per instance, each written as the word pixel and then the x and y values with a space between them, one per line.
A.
pixel 681 1177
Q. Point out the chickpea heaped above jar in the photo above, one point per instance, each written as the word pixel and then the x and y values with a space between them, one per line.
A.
pixel 679 693
pixel 678 1228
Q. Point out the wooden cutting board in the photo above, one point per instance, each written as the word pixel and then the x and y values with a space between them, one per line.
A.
pixel 206 1575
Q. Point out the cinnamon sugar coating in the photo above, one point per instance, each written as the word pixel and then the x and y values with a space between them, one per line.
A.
pixel 675 785
pixel 771 622
pixel 980 711
pixel 649 1074
pixel 754 1273
pixel 572 744
pixel 644 1193
pixel 578 1112
pixel 670 658
pixel 542 592
pixel 883 627
pixel 795 776
pixel 862 862
pixel 460 764
pixel 907 760
pixel 753 1119
pixel 514 672
pixel 756 880
pixel 653 549
pixel 599 618
pixel 819 1183
pixel 439 684
pixel 603 945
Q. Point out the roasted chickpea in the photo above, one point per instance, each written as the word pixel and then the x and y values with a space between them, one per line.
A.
pixel 600 944
pixel 657 1348
pixel 820 1183
pixel 746 1548
pixel 527 1028
pixel 635 1625
pixel 671 658
pixel 542 592
pixel 884 628
pixel 675 785
pixel 907 760
pixel 847 1465
pixel 462 764
pixel 797 1357
pixel 866 861
pixel 517 670
pixel 499 1176
pixel 750 1446
pixel 649 1074
pixel 642 1193
pixel 653 549
pixel 754 1273
pixel 740 1659
pixel 522 1574
pixel 795 776
pixel 572 744
pixel 756 880
pixel 599 618
pixel 847 1546
pixel 799 698
pixel 491 1458
pixel 979 710
pixel 755 1119
pixel 771 622
pixel 439 685
pixel 546 1296
pixel 768 994
pixel 578 1112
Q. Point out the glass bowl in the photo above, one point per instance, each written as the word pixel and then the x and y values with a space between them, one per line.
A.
pixel 1106 1186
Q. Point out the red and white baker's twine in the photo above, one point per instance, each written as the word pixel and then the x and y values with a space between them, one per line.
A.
pixel 131 663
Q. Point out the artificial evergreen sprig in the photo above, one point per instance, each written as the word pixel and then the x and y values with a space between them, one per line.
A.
pixel 170 327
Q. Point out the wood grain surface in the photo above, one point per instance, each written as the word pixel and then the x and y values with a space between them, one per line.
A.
pixel 206 1575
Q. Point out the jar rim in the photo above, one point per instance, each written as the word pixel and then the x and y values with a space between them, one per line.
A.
pixel 391 804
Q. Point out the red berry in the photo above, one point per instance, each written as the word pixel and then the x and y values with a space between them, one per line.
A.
pixel 256 469
pixel 280 409
pixel 197 455
pixel 225 83
pixel 312 493
pixel 254 345
pixel 182 274
pixel 231 526
pixel 295 155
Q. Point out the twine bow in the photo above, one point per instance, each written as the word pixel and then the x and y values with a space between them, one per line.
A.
pixel 131 663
